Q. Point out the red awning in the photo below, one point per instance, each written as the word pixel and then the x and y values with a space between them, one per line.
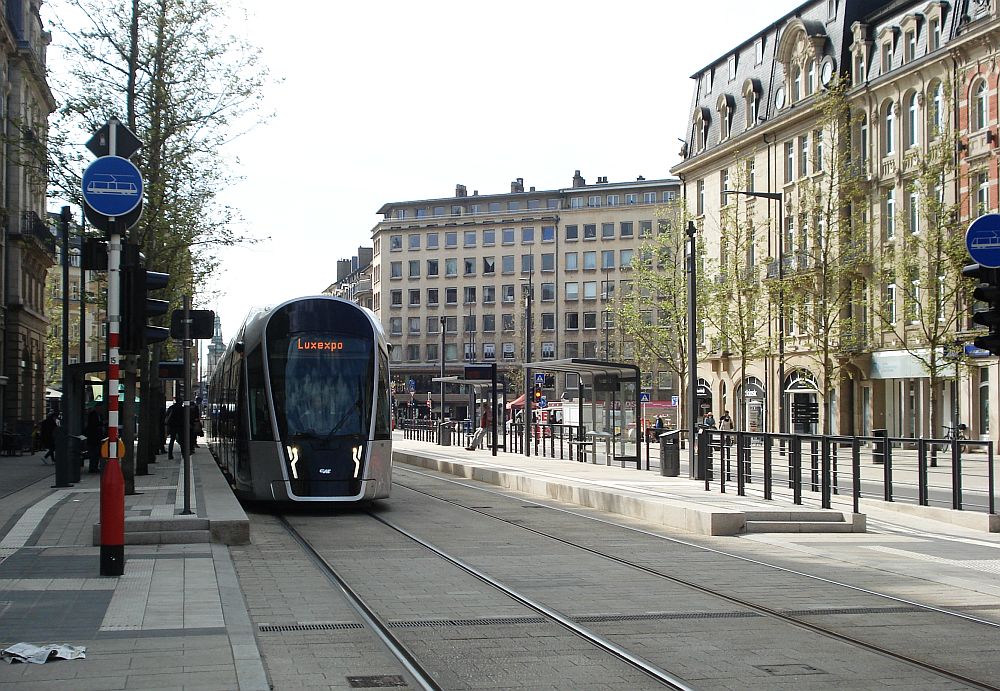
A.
pixel 517 402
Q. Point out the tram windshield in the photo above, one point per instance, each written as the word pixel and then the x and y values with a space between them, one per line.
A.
pixel 321 383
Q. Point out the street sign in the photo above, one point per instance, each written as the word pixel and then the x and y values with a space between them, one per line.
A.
pixel 126 143
pixel 540 378
pixel 644 397
pixel 973 351
pixel 982 240
pixel 201 324
pixel 112 186
pixel 675 401
pixel 543 402
pixel 411 384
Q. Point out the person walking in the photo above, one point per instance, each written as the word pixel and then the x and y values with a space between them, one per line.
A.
pixel 709 420
pixel 47 435
pixel 175 426
pixel 96 431
pixel 196 429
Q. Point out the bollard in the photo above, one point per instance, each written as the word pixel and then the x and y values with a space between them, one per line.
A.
pixel 112 519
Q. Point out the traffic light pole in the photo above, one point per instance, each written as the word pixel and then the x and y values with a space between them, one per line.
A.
pixel 186 435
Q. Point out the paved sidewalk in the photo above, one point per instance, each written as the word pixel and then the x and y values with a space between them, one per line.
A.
pixel 175 619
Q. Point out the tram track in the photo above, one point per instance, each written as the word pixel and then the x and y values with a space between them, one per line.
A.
pixel 406 657
pixel 795 619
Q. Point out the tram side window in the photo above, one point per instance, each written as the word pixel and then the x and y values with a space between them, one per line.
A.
pixel 260 420
pixel 383 420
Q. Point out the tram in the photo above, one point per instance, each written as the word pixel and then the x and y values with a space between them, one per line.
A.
pixel 298 406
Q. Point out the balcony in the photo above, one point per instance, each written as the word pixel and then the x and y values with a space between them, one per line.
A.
pixel 29 226
pixel 981 143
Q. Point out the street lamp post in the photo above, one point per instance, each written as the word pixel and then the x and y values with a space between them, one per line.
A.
pixel 528 297
pixel 781 294
pixel 441 431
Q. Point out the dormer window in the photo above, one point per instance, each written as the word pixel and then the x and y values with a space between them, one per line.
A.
pixel 751 101
pixel 732 67
pixel 910 43
pixel 886 57
pixel 702 120
pixel 727 109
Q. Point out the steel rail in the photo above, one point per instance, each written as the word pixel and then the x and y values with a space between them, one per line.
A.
pixel 763 609
pixel 393 644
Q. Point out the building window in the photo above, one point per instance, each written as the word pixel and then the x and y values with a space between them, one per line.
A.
pixel 576 202
pixel 889 129
pixel 432 241
pixel 913 216
pixel 527 236
pixel 414 297
pixel 507 236
pixel 548 233
pixel 626 229
pixel 489 295
pixel 863 138
pixel 489 351
pixel 548 321
pixel 910 44
pixel 414 241
pixel 548 292
pixel 507 264
pixel 572 290
pixel 572 261
pixel 590 231
pixel 396 298
pixel 911 120
pixel 572 349
pixel 469 295
pixel 933 34
pixel 886 57
pixel 789 161
pixel 572 233
pixel 590 290
pixel 625 258
pixel 432 325
pixel 432 267
pixel 646 228
pixel 631 198
pixel 982 191
pixel 889 211
pixel 396 270
pixel 489 266
pixel 527 263
pixel 613 200
pixel 451 325
pixel 607 231
pixel 572 321
pixel 451 296
pixel 451 266
pixel 413 324
pixel 489 237
pixel 548 262
pixel 489 323
pixel 507 293
pixel 414 268
pixel 548 350
pixel 395 242
pixel 803 156
pixel 469 238
pixel 936 114
pixel 732 67
pixel 590 321
pixel 594 201
pixel 507 322
pixel 469 266
pixel 589 261
pixel 451 238
pixel 607 259
pixel 432 297
pixel 700 201
pixel 396 326
pixel 890 303
pixel 979 107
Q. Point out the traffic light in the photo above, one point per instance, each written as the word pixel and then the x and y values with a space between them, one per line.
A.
pixel 988 291
pixel 137 308
pixel 538 393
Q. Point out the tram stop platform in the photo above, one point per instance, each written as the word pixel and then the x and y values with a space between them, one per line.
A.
pixel 176 617
pixel 675 502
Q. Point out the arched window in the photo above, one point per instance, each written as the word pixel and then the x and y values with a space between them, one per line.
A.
pixel 701 122
pixel 911 120
pixel 810 77
pixel 863 138
pixel 978 107
pixel 888 129
pixel 796 83
pixel 935 114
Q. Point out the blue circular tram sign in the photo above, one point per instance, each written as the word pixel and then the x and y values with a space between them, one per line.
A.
pixel 982 239
pixel 112 186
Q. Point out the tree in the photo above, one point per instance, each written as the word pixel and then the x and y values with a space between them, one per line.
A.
pixel 738 292
pixel 921 269
pixel 827 257
pixel 655 314
pixel 186 88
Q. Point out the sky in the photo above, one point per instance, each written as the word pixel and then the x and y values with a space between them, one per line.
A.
pixel 390 100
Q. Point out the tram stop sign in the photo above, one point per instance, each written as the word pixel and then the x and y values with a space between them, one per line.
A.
pixel 982 240
pixel 112 188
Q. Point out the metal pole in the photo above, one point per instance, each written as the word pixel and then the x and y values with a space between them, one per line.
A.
pixel 441 419
pixel 186 435
pixel 62 461
pixel 112 481
pixel 781 313
pixel 692 347
pixel 527 370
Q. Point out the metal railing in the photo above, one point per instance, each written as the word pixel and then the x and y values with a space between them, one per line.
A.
pixel 803 469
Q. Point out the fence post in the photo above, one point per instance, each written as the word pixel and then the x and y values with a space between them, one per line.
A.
pixel 886 466
pixel 825 473
pixel 768 469
pixel 956 475
pixel 989 474
pixel 856 473
pixel 922 471
pixel 796 467
pixel 740 479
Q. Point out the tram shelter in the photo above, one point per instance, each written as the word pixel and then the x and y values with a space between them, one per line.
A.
pixel 620 384
pixel 480 379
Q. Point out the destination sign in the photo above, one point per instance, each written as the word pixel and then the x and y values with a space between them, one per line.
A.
pixel 318 345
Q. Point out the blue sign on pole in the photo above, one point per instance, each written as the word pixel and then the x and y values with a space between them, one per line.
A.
pixel 411 385
pixel 644 397
pixel 539 378
pixel 982 239
pixel 112 186
pixel 543 402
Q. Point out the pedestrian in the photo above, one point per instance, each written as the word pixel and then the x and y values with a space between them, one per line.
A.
pixel 726 425
pixel 709 420
pixel 95 430
pixel 47 435
pixel 175 426
pixel 161 429
pixel 196 429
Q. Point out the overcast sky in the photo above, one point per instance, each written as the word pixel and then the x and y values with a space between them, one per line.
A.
pixel 389 101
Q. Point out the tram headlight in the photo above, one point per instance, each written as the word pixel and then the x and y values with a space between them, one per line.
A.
pixel 293 457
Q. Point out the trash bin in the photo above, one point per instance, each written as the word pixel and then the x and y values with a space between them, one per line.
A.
pixel 444 434
pixel 670 453
pixel 878 446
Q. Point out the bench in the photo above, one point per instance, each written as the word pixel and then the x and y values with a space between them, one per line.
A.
pixel 628 459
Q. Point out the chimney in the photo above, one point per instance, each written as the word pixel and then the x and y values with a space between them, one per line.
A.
pixel 640 178
pixel 517 185
pixel 365 255
pixel 460 191
pixel 532 189
pixel 343 269
pixel 578 181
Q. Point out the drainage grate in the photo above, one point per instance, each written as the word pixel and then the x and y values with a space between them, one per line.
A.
pixel 382 681
pixel 855 610
pixel 319 626
pixel 486 621
pixel 655 616
pixel 789 670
